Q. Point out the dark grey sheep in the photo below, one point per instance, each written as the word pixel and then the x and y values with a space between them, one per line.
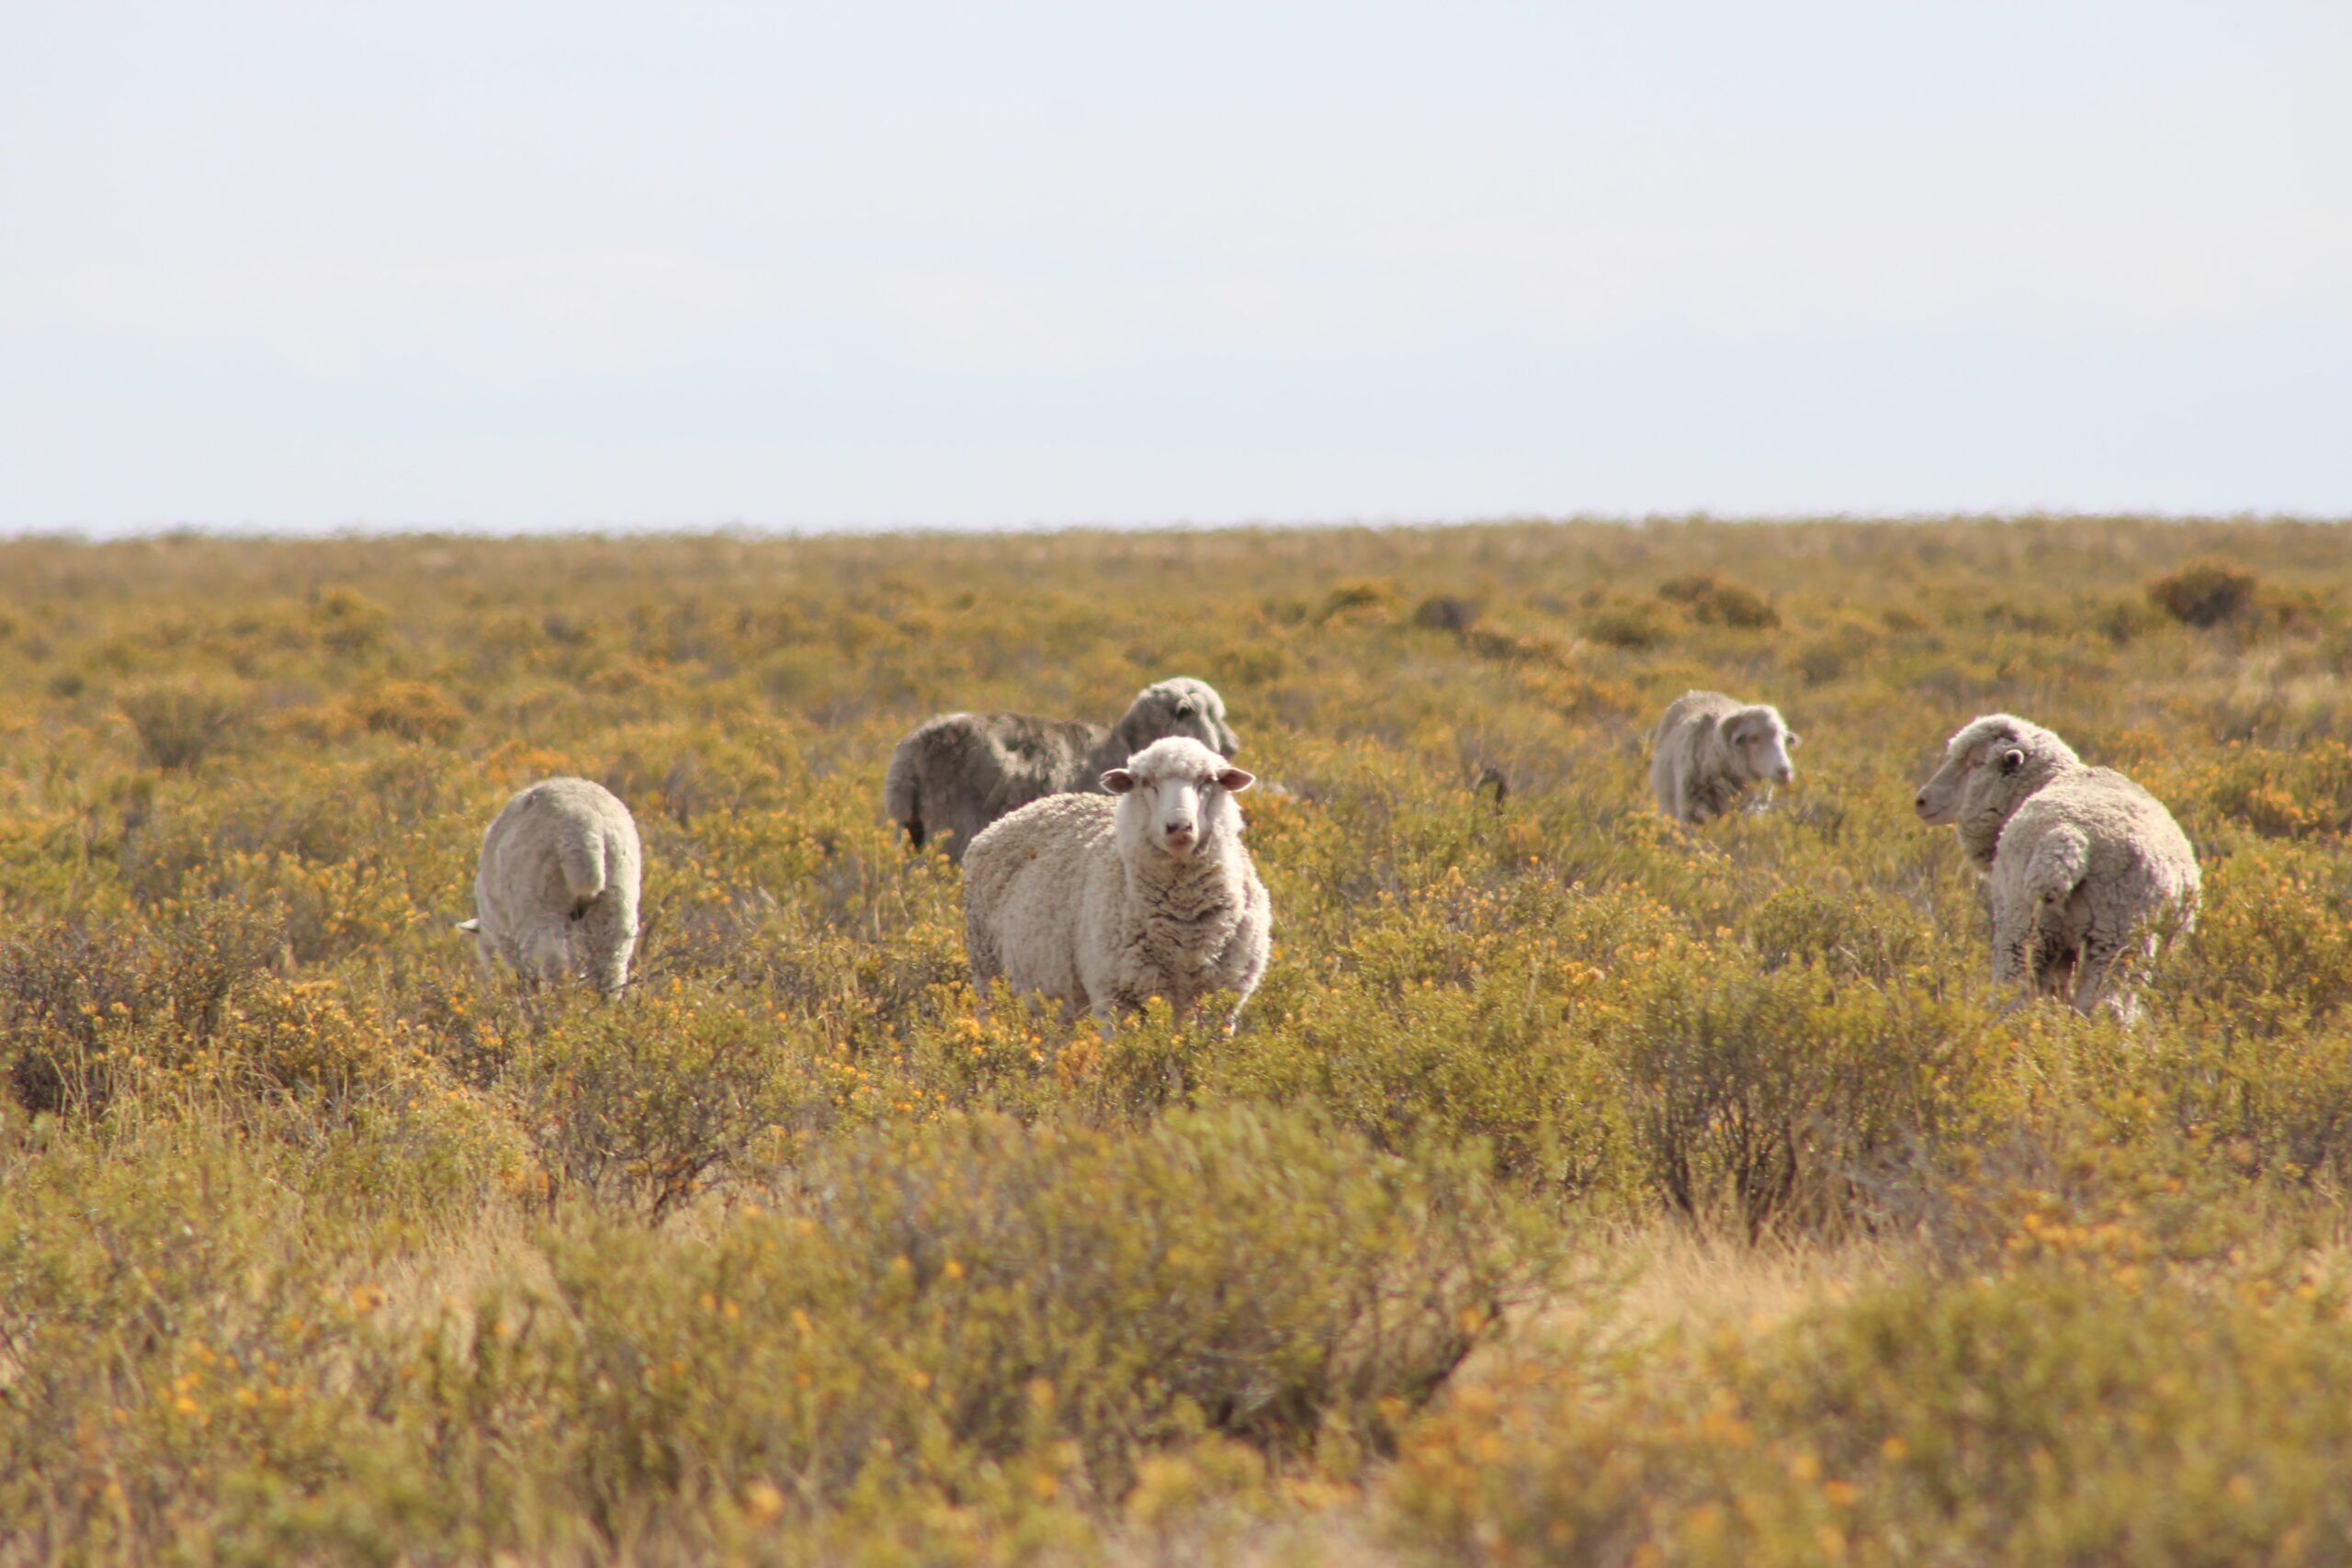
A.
pixel 960 772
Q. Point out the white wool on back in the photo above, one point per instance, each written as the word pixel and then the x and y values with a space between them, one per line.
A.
pixel 557 893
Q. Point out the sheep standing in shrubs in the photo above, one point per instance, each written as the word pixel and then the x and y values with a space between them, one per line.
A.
pixel 1709 748
pixel 2083 865
pixel 1104 902
pixel 960 772
pixel 556 896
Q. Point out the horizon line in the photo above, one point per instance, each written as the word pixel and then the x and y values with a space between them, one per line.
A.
pixel 745 529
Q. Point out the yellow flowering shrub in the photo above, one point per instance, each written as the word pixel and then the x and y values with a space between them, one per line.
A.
pixel 317 1243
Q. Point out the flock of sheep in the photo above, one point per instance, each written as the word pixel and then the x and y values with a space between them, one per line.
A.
pixel 1103 864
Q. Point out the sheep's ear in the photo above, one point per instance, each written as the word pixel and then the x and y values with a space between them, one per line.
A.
pixel 1235 780
pixel 1118 781
pixel 469 925
pixel 2012 760
pixel 1792 739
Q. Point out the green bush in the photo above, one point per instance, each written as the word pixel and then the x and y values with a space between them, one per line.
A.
pixel 83 1002
pixel 1446 612
pixel 2205 592
pixel 2294 793
pixel 1794 1101
pixel 199 1350
pixel 647 1101
pixel 180 724
pixel 413 710
pixel 2051 1416
pixel 1713 601
pixel 978 1298
pixel 1632 624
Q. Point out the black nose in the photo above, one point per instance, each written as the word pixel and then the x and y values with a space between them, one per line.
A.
pixel 1920 800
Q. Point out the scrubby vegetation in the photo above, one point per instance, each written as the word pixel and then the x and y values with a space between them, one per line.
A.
pixel 1578 1189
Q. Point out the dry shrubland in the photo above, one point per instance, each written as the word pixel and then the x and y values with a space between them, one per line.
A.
pixel 317 1246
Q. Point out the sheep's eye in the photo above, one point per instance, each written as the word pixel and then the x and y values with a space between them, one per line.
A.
pixel 1183 710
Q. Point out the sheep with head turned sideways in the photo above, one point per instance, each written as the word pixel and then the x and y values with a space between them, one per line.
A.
pixel 2084 868
pixel 956 773
pixel 1104 901
pixel 1710 749
pixel 1981 784
pixel 556 896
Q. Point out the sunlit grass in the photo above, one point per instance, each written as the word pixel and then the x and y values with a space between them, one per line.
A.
pixel 1578 1189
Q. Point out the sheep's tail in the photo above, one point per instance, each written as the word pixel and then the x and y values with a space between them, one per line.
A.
pixel 2060 859
pixel 900 799
pixel 582 854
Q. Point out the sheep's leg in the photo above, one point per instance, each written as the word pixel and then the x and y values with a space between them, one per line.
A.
pixel 980 953
pixel 2014 937
pixel 1714 797
pixel 547 956
pixel 2060 972
pixel 2108 980
pixel 2099 978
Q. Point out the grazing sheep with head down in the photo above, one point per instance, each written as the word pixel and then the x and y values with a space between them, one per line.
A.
pixel 960 772
pixel 1709 748
pixel 2083 865
pixel 556 896
pixel 1104 903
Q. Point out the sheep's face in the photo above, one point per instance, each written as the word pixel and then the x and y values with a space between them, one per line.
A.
pixel 1175 796
pixel 602 935
pixel 1988 770
pixel 1762 742
pixel 606 962
pixel 1180 707
pixel 1976 762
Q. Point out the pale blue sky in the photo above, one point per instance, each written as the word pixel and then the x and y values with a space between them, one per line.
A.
pixel 530 265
